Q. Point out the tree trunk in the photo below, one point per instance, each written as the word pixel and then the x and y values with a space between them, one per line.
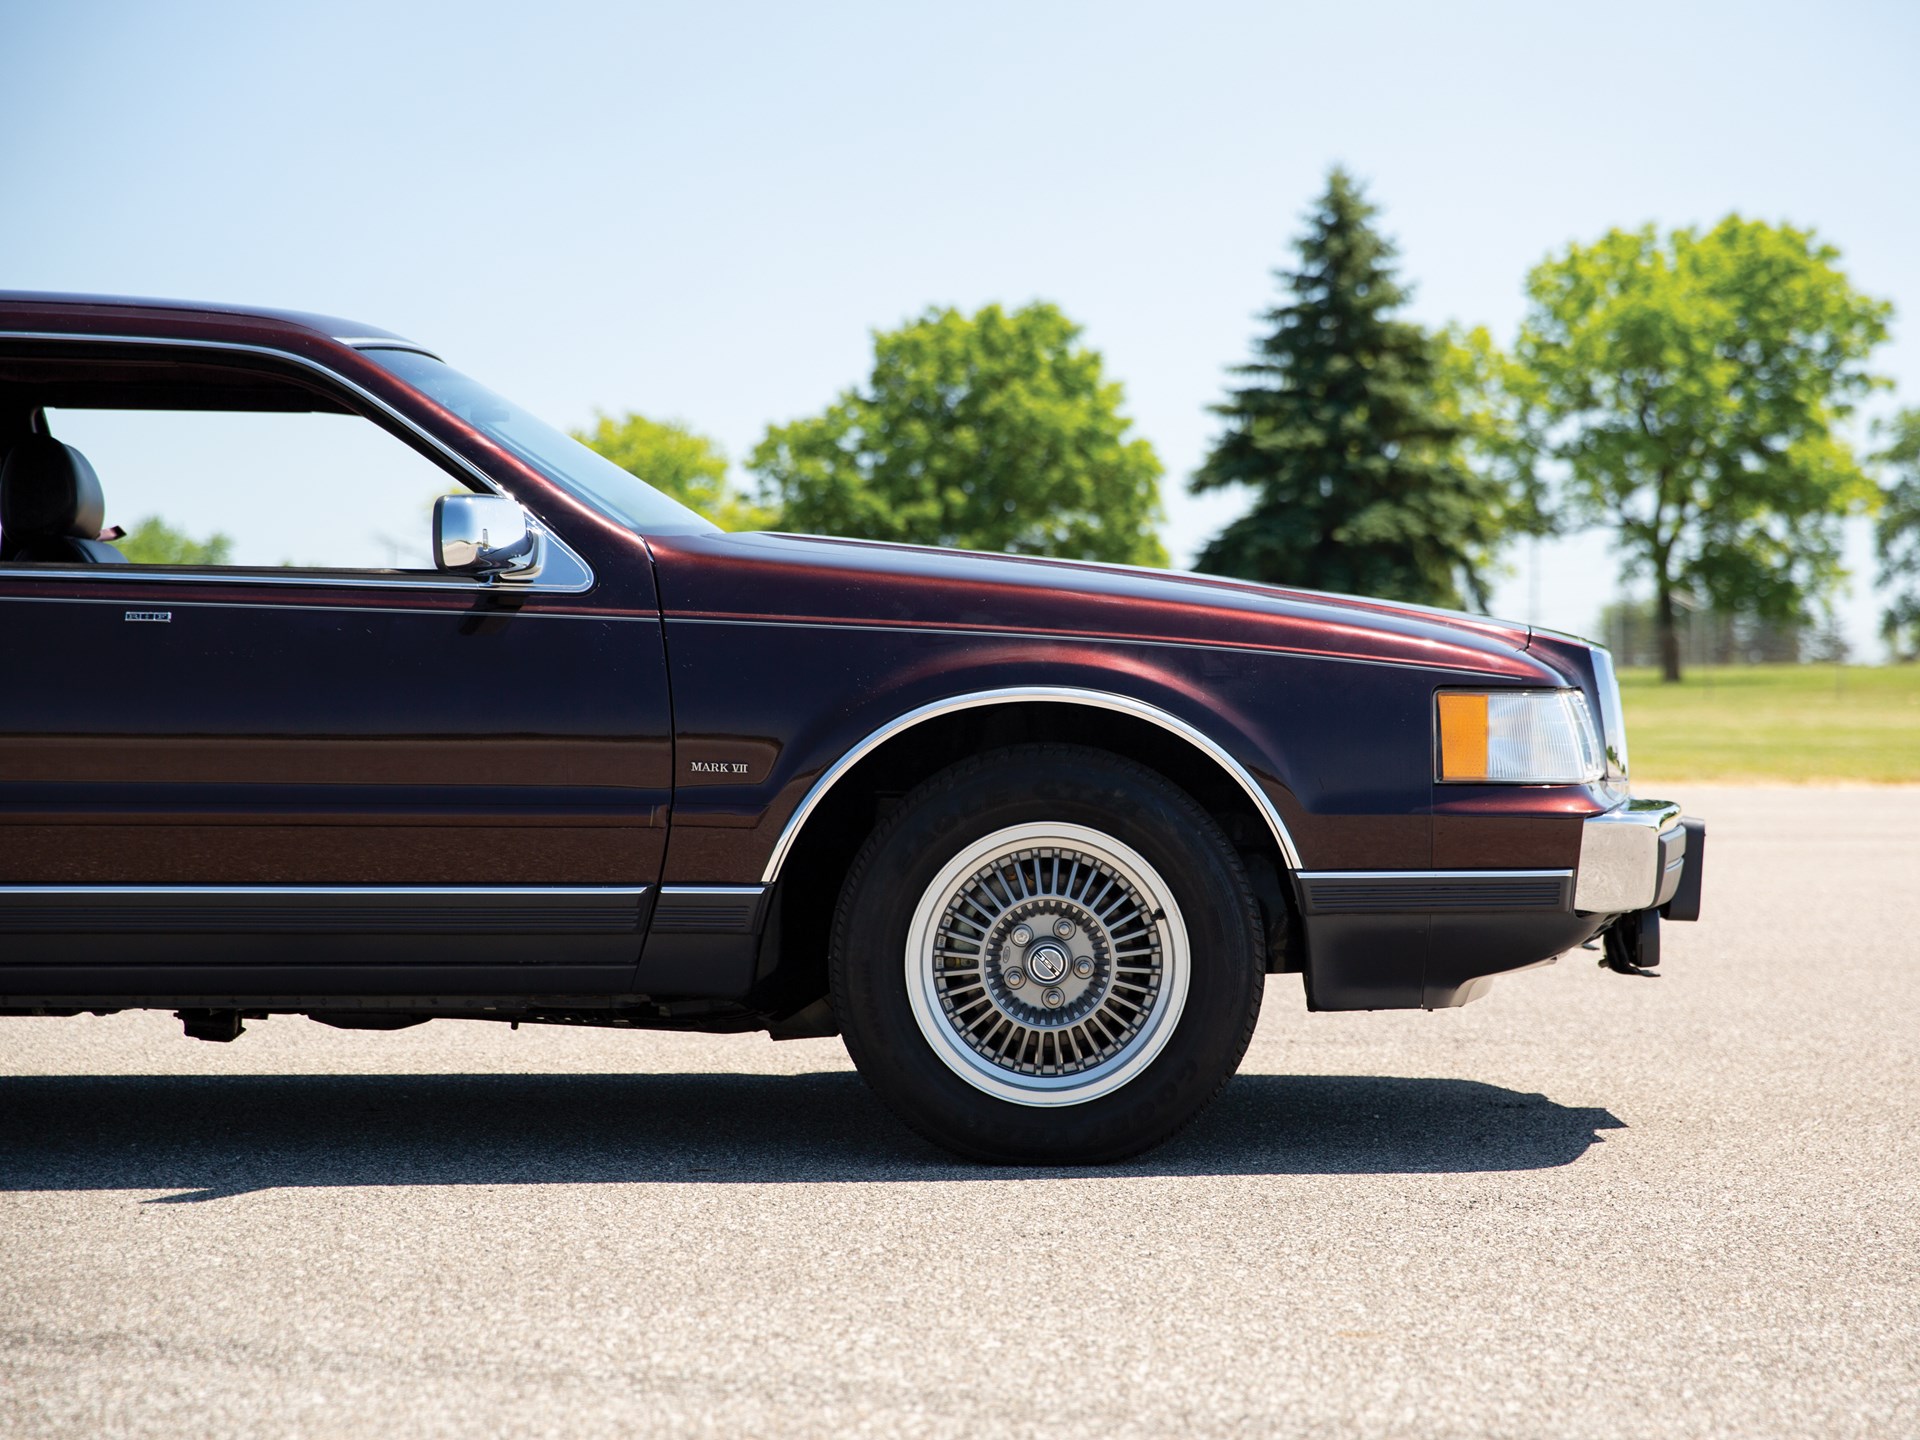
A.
pixel 1668 632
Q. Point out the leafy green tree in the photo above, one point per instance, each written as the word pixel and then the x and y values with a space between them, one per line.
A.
pixel 992 431
pixel 674 458
pixel 1897 536
pixel 1354 429
pixel 151 541
pixel 1691 385
pixel 1489 396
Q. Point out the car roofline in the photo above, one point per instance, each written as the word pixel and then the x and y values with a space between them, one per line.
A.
pixel 38 304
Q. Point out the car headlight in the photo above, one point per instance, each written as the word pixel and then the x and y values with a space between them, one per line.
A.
pixel 1516 737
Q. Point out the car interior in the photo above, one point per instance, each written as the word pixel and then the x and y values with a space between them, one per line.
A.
pixel 51 505
pixel 54 503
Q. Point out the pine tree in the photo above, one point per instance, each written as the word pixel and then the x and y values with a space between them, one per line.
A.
pixel 1351 435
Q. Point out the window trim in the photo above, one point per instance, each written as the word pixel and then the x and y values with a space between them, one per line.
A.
pixel 565 572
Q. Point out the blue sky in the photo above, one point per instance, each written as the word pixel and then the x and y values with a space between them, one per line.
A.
pixel 701 211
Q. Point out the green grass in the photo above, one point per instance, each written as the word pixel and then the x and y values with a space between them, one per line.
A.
pixel 1794 723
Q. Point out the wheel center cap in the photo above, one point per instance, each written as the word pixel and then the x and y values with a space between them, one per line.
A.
pixel 1047 962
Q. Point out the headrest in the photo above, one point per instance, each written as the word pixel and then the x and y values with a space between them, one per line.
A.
pixel 49 489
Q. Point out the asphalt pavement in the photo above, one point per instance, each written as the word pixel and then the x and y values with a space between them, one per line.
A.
pixel 1586 1205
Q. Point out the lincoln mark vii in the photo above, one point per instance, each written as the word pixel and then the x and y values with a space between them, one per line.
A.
pixel 1030 835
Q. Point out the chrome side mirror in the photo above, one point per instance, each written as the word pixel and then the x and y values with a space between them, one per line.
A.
pixel 486 535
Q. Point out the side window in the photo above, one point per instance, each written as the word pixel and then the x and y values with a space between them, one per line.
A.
pixel 181 458
pixel 305 489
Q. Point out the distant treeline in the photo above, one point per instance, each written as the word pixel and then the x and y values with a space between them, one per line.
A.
pixel 1630 629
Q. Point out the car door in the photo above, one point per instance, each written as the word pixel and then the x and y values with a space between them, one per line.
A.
pixel 323 778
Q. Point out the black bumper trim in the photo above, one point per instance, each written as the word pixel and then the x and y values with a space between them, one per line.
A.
pixel 709 910
pixel 1421 892
pixel 1685 904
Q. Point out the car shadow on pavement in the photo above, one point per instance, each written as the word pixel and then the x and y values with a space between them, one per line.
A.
pixel 213 1137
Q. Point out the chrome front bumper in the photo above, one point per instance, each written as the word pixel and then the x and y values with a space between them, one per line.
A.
pixel 1632 858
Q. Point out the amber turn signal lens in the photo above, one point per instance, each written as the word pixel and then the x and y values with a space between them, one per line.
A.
pixel 1463 737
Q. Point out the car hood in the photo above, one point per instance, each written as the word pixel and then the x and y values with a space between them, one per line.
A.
pixel 818 579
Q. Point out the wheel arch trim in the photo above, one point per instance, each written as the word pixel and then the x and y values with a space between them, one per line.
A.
pixel 1030 694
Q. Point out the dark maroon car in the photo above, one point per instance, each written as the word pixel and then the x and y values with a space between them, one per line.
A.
pixel 1029 834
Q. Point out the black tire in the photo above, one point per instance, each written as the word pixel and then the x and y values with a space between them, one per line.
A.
pixel 1014 792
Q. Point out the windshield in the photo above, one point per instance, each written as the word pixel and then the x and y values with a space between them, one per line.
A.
pixel 594 478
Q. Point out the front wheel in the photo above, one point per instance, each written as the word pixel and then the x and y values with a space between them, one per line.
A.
pixel 1047 955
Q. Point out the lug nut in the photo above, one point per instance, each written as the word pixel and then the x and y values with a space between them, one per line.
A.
pixel 1063 928
pixel 1016 978
pixel 1022 935
pixel 1055 997
pixel 1083 967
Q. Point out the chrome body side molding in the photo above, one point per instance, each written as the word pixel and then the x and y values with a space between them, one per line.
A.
pixel 322 909
pixel 1027 694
